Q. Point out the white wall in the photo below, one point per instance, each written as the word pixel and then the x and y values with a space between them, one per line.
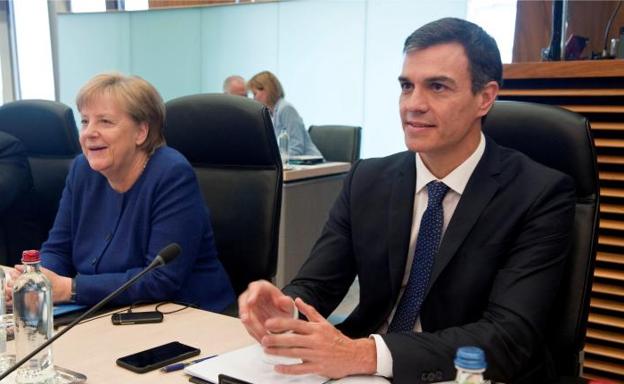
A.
pixel 388 25
pixel 338 60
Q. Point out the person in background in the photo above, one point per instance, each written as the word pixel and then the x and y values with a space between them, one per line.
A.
pixel 266 88
pixel 15 177
pixel 126 197
pixel 235 85
pixel 15 181
pixel 456 242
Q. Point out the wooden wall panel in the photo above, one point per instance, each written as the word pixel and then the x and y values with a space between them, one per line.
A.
pixel 596 90
pixel 533 19
pixel 585 18
pixel 190 3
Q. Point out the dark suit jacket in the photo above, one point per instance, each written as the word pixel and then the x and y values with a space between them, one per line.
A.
pixel 15 181
pixel 493 281
pixel 15 175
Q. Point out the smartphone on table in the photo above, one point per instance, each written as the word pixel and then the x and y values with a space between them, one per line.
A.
pixel 136 317
pixel 157 357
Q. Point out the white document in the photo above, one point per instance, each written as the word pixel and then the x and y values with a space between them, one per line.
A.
pixel 247 364
pixel 361 380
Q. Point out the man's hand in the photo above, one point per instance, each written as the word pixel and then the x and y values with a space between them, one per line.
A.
pixel 61 285
pixel 260 302
pixel 323 349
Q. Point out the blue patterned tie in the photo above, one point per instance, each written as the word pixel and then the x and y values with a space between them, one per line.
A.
pixel 427 244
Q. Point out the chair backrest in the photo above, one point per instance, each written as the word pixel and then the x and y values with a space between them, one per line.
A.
pixel 15 181
pixel 48 132
pixel 337 142
pixel 561 140
pixel 229 141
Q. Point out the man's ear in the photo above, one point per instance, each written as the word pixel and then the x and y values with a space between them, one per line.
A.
pixel 487 96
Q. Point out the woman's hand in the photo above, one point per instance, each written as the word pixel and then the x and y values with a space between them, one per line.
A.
pixel 61 285
pixel 10 274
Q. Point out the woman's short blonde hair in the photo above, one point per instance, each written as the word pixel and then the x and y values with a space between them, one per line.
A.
pixel 138 98
pixel 266 81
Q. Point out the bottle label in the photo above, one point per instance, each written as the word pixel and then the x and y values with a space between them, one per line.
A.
pixel 470 378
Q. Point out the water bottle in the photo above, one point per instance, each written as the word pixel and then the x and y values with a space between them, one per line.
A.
pixel 32 311
pixel 5 359
pixel 470 365
pixel 282 141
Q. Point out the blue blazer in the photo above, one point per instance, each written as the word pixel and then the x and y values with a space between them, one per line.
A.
pixel 102 238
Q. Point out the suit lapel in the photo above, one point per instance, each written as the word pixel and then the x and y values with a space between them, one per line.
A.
pixel 480 189
pixel 400 220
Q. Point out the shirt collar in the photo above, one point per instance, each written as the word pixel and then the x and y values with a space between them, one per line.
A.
pixel 276 107
pixel 458 178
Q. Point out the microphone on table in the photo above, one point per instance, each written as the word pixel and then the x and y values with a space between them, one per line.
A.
pixel 163 257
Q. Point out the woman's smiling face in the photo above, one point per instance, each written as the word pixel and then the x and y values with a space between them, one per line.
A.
pixel 110 138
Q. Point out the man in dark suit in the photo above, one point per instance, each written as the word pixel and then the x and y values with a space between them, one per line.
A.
pixel 456 242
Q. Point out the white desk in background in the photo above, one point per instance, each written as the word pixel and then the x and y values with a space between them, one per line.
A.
pixel 308 195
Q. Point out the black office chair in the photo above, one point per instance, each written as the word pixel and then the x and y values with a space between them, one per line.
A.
pixel 48 132
pixel 15 181
pixel 230 142
pixel 562 140
pixel 337 142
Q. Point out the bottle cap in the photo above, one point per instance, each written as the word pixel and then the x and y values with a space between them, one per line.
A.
pixel 470 358
pixel 30 256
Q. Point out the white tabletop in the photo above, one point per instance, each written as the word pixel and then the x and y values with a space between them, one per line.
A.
pixel 93 347
pixel 300 172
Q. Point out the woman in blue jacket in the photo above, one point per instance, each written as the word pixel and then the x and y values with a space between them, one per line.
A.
pixel 126 197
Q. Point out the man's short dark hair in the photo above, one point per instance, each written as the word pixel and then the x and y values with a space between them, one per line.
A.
pixel 483 56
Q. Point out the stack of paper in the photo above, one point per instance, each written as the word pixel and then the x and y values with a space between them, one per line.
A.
pixel 247 364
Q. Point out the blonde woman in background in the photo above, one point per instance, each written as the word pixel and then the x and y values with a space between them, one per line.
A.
pixel 267 89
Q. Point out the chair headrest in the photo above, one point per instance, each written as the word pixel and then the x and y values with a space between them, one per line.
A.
pixel 221 130
pixel 46 128
pixel 552 136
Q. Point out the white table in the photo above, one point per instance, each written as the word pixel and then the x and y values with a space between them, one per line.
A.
pixel 308 195
pixel 93 347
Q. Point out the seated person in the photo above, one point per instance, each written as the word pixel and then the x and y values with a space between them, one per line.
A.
pixel 15 181
pixel 235 85
pixel 15 178
pixel 126 197
pixel 457 241
pixel 267 89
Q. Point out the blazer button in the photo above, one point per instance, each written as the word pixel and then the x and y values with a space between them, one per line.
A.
pixel 93 261
pixel 438 376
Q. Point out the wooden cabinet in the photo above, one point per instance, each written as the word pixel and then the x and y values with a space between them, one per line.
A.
pixel 594 89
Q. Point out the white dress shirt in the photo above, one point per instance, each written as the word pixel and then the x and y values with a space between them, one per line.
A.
pixel 456 181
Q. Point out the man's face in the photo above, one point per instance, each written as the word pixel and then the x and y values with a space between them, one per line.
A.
pixel 441 116
pixel 237 87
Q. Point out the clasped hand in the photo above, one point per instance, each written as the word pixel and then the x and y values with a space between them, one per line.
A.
pixel 61 285
pixel 266 313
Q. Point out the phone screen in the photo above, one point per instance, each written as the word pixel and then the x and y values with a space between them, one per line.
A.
pixel 157 357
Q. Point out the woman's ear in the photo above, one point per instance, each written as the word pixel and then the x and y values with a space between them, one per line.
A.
pixel 143 130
